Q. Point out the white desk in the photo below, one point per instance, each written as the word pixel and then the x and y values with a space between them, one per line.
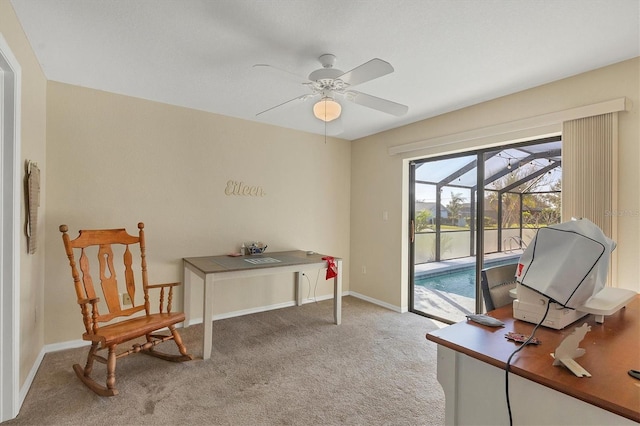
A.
pixel 471 369
pixel 215 268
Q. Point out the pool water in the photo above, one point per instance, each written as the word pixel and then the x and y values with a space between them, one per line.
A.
pixel 459 281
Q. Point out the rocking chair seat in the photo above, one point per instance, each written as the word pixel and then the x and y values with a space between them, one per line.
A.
pixel 133 328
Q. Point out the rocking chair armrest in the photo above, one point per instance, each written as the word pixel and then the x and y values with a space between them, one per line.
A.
pixel 91 300
pixel 162 295
pixel 164 285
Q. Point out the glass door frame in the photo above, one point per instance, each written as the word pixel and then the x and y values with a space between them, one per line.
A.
pixel 479 227
pixel 478 235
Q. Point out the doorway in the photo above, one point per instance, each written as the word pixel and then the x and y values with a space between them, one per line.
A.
pixel 474 210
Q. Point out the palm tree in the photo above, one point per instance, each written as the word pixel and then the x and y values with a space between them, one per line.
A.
pixel 454 206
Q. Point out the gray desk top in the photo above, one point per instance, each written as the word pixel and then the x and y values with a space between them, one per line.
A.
pixel 225 263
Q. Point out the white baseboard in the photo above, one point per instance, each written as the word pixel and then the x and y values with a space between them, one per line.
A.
pixel 255 310
pixel 30 377
pixel 71 344
pixel 378 302
pixel 36 365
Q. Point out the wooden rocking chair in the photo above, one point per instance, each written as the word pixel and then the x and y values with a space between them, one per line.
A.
pixel 123 324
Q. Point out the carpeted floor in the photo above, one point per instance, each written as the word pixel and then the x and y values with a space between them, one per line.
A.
pixel 290 366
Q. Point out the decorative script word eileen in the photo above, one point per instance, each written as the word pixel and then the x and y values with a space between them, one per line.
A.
pixel 240 188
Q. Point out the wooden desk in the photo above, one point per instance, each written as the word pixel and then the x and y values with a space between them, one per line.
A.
pixel 472 359
pixel 215 268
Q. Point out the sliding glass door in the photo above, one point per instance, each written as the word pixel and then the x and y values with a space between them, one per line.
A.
pixel 443 248
pixel 476 210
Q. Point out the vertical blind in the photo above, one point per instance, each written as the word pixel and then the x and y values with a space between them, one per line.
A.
pixel 589 174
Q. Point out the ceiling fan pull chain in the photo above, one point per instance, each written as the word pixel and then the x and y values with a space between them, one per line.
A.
pixel 325 123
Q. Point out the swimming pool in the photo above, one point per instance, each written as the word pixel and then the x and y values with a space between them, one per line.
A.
pixel 459 281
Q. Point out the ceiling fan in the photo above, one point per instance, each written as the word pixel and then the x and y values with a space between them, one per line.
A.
pixel 329 83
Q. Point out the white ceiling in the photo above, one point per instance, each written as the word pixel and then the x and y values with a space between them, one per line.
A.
pixel 447 54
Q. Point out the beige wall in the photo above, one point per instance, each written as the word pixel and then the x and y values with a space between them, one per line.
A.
pixel 381 246
pixel 115 160
pixel 33 132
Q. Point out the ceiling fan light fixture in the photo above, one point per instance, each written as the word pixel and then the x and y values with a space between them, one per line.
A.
pixel 326 109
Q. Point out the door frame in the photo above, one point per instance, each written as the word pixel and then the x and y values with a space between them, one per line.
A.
pixel 10 172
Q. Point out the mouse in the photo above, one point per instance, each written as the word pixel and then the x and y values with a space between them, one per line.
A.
pixel 310 252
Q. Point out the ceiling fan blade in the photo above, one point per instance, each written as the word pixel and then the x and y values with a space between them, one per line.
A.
pixel 368 71
pixel 301 98
pixel 374 102
pixel 281 71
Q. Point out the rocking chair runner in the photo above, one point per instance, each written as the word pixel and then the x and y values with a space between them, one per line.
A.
pixel 123 325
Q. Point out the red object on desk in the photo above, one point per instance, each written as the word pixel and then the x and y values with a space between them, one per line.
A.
pixel 332 269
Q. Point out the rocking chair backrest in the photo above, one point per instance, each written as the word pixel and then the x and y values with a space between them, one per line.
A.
pixel 99 243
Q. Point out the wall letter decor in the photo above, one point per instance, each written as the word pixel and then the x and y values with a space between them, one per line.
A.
pixel 240 188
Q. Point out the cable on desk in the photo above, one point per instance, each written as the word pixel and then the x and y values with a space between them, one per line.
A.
pixel 309 290
pixel 315 287
pixel 508 368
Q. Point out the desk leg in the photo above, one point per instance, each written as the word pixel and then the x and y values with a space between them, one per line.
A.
pixel 337 295
pixel 207 316
pixel 298 288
